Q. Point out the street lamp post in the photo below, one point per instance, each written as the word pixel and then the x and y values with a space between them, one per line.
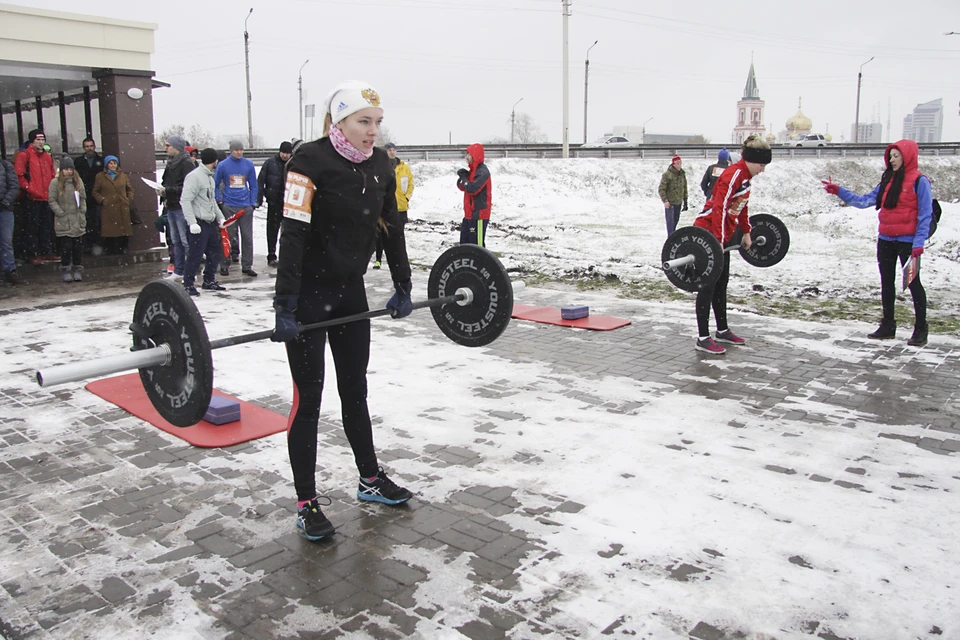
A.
pixel 246 57
pixel 513 118
pixel 643 131
pixel 586 75
pixel 300 91
pixel 566 79
pixel 856 122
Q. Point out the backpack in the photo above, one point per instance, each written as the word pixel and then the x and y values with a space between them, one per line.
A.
pixel 935 221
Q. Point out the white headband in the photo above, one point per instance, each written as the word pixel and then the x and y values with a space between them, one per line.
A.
pixel 350 97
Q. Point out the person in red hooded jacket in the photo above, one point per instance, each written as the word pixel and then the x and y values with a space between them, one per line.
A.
pixel 34 169
pixel 477 197
pixel 904 200
pixel 724 213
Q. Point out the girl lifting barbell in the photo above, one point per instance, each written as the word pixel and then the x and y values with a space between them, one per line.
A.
pixel 723 214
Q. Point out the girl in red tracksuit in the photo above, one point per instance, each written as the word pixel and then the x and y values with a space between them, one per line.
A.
pixel 724 213
pixel 477 199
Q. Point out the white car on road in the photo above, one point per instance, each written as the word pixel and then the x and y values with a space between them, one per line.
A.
pixel 612 141
pixel 810 140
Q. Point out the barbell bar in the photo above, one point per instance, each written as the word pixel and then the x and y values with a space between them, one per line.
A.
pixel 691 255
pixel 689 259
pixel 469 294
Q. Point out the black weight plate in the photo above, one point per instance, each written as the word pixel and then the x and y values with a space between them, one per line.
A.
pixel 180 391
pixel 775 244
pixel 707 253
pixel 473 267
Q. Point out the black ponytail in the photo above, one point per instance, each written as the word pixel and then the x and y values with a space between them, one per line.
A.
pixel 895 180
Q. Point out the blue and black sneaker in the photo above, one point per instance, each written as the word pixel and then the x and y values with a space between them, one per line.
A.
pixel 313 523
pixel 382 489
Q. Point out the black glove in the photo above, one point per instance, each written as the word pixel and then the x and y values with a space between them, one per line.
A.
pixel 684 206
pixel 463 173
pixel 286 328
pixel 400 304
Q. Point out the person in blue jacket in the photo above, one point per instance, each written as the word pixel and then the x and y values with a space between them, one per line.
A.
pixel 904 203
pixel 236 184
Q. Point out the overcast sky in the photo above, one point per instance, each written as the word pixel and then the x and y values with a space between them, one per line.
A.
pixel 453 69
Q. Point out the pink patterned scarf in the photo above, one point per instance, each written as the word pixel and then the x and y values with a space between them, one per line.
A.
pixel 345 148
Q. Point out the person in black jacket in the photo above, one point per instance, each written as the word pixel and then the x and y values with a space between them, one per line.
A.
pixel 270 183
pixel 179 164
pixel 87 167
pixel 9 190
pixel 339 190
pixel 713 172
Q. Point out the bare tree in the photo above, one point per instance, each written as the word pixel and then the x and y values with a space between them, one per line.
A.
pixel 525 130
pixel 199 138
pixel 385 136
pixel 174 130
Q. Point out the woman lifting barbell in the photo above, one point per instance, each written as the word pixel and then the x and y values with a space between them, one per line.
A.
pixel 724 212
pixel 339 190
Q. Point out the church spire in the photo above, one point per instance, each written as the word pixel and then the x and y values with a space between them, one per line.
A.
pixel 751 91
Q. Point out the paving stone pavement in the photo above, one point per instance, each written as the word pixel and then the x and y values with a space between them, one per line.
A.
pixel 156 503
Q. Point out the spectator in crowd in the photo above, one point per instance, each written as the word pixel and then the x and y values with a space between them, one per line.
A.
pixel 114 193
pixel 270 183
pixel 88 166
pixel 9 190
pixel 193 151
pixel 673 193
pixel 179 164
pixel 204 220
pixel 68 201
pixel 713 172
pixel 236 180
pixel 34 168
pixel 404 194
pixel 477 190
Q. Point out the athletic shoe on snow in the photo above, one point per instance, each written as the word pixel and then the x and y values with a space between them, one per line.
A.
pixel 707 345
pixel 382 489
pixel 213 285
pixel 729 337
pixel 313 523
pixel 191 290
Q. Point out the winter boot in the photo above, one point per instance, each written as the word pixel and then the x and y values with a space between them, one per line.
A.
pixel 67 274
pixel 919 337
pixel 77 273
pixel 886 331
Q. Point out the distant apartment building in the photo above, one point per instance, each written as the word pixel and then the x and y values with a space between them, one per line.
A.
pixel 925 124
pixel 867 132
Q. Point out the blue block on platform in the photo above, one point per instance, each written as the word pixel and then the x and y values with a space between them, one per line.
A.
pixel 574 313
pixel 222 410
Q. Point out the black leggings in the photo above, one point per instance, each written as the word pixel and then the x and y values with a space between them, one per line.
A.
pixel 888 252
pixel 350 346
pixel 716 296
pixel 71 250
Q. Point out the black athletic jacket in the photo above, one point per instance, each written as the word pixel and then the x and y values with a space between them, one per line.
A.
pixel 331 210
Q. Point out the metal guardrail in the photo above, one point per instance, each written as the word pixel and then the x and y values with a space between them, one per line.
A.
pixel 455 152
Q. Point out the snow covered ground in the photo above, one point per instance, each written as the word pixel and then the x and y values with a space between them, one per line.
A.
pixel 601 221
pixel 767 552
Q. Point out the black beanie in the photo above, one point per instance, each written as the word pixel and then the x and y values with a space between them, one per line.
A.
pixel 286 147
pixel 33 135
pixel 208 156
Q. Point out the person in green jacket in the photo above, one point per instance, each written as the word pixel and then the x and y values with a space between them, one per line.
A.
pixel 673 193
pixel 68 200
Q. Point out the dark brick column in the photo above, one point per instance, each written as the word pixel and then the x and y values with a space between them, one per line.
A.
pixel 126 126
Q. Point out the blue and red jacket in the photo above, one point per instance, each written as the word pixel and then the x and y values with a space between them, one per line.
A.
pixel 476 186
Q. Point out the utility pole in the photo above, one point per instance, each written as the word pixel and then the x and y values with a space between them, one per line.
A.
pixel 856 123
pixel 566 79
pixel 586 75
pixel 246 56
pixel 513 118
pixel 300 91
pixel 643 131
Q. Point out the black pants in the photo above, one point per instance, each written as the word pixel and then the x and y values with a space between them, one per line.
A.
pixel 717 297
pixel 403 223
pixel 888 252
pixel 274 218
pixel 473 232
pixel 71 251
pixel 350 346
pixel 116 245
pixel 37 228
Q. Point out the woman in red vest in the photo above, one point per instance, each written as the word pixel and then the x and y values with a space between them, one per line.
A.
pixel 904 199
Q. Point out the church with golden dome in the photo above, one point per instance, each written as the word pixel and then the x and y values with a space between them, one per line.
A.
pixel 749 111
pixel 798 125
